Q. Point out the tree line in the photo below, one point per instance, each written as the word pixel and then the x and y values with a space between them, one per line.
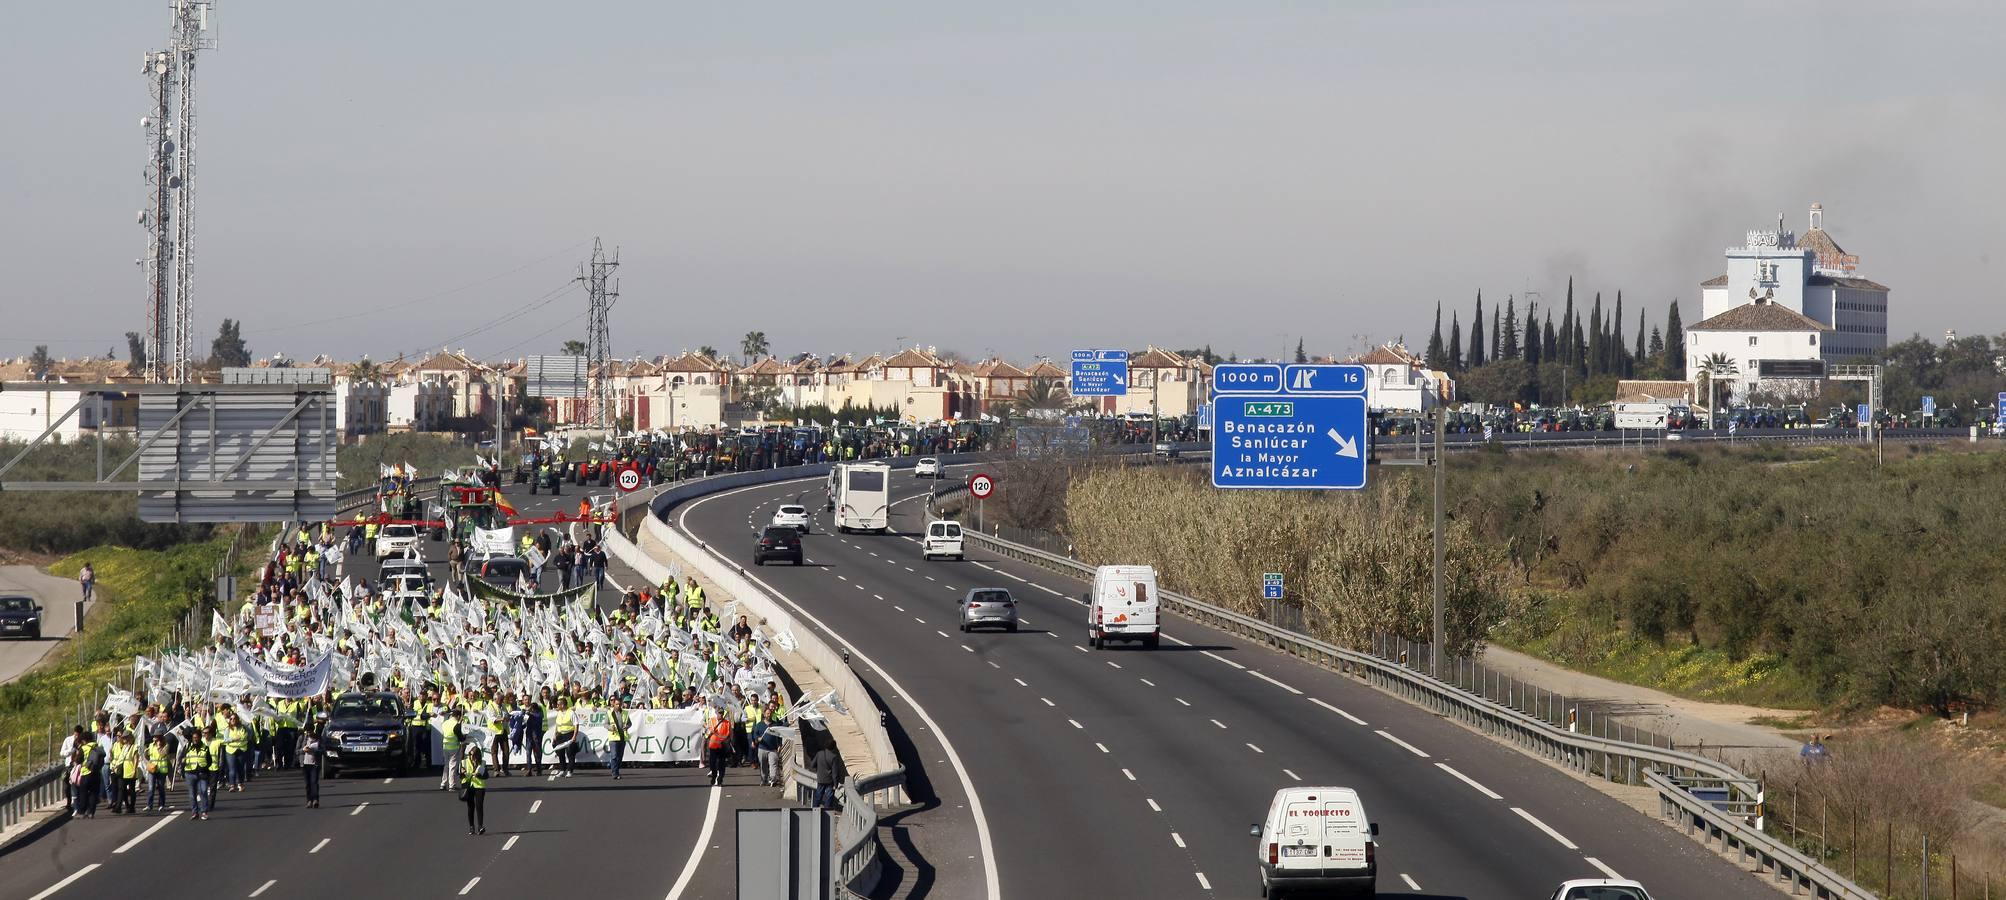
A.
pixel 1526 355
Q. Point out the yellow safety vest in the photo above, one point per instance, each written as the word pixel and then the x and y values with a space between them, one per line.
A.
pixel 122 761
pixel 156 760
pixel 238 739
pixel 215 755
pixel 616 725
pixel 695 596
pixel 451 734
pixel 467 769
pixel 565 721
pixel 197 758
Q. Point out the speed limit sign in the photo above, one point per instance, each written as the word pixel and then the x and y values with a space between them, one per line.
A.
pixel 981 486
pixel 628 479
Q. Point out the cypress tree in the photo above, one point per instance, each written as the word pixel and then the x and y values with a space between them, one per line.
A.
pixel 1301 357
pixel 1435 358
pixel 1477 335
pixel 1549 346
pixel 1455 342
pixel 1570 353
pixel 1657 343
pixel 1532 356
pixel 1508 347
pixel 1675 341
pixel 1637 361
pixel 1497 335
pixel 1619 361
pixel 1594 361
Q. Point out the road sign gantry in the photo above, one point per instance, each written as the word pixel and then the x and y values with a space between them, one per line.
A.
pixel 1298 427
pixel 1099 373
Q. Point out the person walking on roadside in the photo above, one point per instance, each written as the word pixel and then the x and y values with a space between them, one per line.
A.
pixel 474 790
pixel 195 767
pixel 309 759
pixel 450 738
pixel 157 772
pixel 617 721
pixel 828 768
pixel 768 742
pixel 718 745
pixel 531 741
pixel 564 737
pixel 87 580
pixel 124 771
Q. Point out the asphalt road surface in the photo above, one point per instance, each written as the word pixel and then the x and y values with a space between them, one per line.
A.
pixel 382 836
pixel 58 598
pixel 1135 773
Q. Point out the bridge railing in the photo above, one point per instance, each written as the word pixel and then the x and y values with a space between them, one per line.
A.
pixel 1666 770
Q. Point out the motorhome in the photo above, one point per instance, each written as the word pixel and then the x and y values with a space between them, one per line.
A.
pixel 863 497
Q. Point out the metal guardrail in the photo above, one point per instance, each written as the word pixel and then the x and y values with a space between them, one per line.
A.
pixel 1621 761
pixel 29 794
pixel 1766 854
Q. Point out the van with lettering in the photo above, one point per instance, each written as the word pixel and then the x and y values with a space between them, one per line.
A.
pixel 1318 839
pixel 1122 606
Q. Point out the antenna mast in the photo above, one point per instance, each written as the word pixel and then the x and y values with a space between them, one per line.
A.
pixel 170 176
pixel 599 299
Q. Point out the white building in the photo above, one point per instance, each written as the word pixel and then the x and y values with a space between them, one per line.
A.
pixel 26 414
pixel 1812 276
pixel 419 404
pixel 1397 379
pixel 1753 332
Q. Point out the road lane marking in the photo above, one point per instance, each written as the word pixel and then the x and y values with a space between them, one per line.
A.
pixel 1131 775
pixel 919 620
pixel 1221 725
pixel 1410 747
pixel 511 841
pixel 1291 773
pixel 323 843
pixel 878 596
pixel 944 634
pixel 1536 823
pixel 1183 701
pixel 1079 648
pixel 1250 746
pixel 898 607
pixel 703 841
pixel 1076 723
pixel 388 780
pixel 1222 659
pixel 128 845
pixel 1152 805
pixel 1048 701
pixel 1020 682
pixel 1469 781
pixel 1148 682
pixel 358 809
pixel 1354 719
pixel 1178 838
pixel 1275 683
pixel 1114 664
pixel 1410 882
pixel 65 882
pixel 264 887
pixel 533 807
pixel 1176 641
pixel 470 885
pixel 842 578
pixel 1103 747
pixel 1612 873
pixel 1202 882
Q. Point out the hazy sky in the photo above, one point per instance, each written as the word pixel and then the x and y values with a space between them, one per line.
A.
pixel 1023 178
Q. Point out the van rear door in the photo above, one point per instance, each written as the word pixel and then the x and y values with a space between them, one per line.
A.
pixel 1323 833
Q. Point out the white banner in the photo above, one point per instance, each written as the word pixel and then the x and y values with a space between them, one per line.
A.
pixel 306 681
pixel 654 735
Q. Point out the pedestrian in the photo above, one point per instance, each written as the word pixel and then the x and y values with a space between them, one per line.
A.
pixel 564 737
pixel 90 779
pixel 1815 753
pixel 719 744
pixel 768 742
pixel 597 553
pixel 157 772
pixel 450 738
pixel 617 721
pixel 309 758
pixel 828 768
pixel 532 735
pixel 71 742
pixel 124 771
pixel 237 744
pixel 474 790
pixel 195 764
pixel 567 560
pixel 87 579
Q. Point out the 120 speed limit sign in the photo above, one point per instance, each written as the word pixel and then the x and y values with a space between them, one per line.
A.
pixel 628 479
pixel 981 486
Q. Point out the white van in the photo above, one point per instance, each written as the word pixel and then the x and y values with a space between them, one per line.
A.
pixel 1318 839
pixel 943 539
pixel 1122 606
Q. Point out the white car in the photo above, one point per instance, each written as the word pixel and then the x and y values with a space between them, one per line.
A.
pixel 396 540
pixel 791 516
pixel 1600 889
pixel 927 467
pixel 943 539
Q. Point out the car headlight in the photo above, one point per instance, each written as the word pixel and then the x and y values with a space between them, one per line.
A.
pixel 31 620
pixel 336 736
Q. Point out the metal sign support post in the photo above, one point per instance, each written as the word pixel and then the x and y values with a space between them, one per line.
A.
pixel 1436 462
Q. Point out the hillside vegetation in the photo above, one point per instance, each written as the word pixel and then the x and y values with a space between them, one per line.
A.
pixel 1810 577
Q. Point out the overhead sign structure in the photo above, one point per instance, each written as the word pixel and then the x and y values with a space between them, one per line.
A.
pixel 981 486
pixel 555 376
pixel 1300 427
pixel 1864 416
pixel 1271 585
pixel 628 478
pixel 1099 373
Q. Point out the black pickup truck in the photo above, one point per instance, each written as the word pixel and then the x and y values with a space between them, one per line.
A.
pixel 369 731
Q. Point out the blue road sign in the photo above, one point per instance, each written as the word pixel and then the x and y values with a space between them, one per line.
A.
pixel 2002 407
pixel 1271 585
pixel 1304 429
pixel 1099 373
pixel 1928 405
pixel 1863 416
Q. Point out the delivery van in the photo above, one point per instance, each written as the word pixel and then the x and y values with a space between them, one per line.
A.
pixel 1122 606
pixel 1317 839
pixel 943 539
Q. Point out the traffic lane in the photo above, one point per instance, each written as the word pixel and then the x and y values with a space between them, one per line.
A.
pixel 587 835
pixel 57 597
pixel 1608 831
pixel 1163 727
pixel 1037 794
pixel 1601 810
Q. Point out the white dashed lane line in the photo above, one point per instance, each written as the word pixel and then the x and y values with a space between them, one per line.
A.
pixel 1222 659
pixel 1152 805
pixel 1255 749
pixel 1275 683
pixel 359 808
pixel 1020 682
pixel 1048 701
pixel 264 887
pixel 73 876
pixel 1536 823
pixel 1469 781
pixel 1612 873
pixel 1114 664
pixel 1131 775
pixel 1410 882
pixel 1183 701
pixel 1409 747
pixel 1178 839
pixel 1292 775
pixel 1207 885
pixel 1075 723
pixel 1354 719
pixel 323 843
pixel 533 807
pixel 1221 725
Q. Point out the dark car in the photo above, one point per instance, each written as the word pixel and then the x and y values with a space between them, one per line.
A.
pixel 20 617
pixel 501 571
pixel 777 542
pixel 368 731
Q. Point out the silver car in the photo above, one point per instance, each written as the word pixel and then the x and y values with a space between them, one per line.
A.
pixel 988 607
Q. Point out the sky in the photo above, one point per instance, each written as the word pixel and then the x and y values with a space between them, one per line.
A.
pixel 1017 178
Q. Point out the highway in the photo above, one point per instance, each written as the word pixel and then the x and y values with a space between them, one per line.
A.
pixel 1132 773
pixel 380 836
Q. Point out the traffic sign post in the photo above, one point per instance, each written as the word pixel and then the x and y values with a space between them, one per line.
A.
pixel 1928 406
pixel 628 478
pixel 2002 409
pixel 1302 427
pixel 1099 373
pixel 1864 416
pixel 1271 585
pixel 980 486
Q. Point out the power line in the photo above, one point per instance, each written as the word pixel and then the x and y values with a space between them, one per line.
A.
pixel 517 313
pixel 568 320
pixel 433 296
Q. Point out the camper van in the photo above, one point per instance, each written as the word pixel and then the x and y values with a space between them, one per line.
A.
pixel 1317 839
pixel 863 497
pixel 1122 606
